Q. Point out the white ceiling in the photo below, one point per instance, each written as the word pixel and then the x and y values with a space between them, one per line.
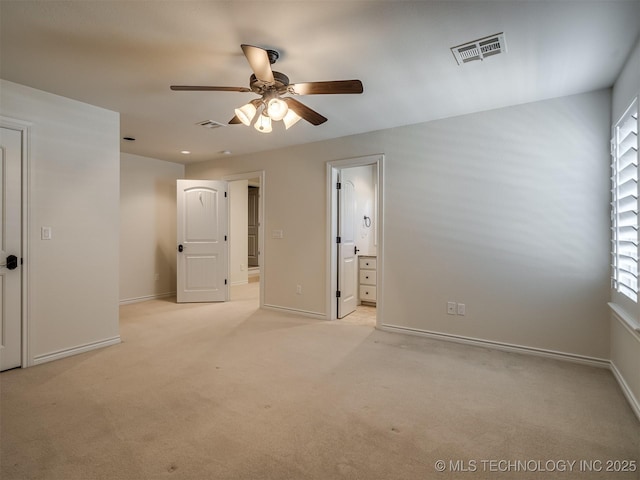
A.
pixel 123 55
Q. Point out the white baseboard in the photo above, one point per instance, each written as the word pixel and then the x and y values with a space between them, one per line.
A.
pixel 306 313
pixel 633 401
pixel 507 347
pixel 67 352
pixel 567 357
pixel 144 298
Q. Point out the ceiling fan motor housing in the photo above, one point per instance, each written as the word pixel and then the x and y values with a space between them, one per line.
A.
pixel 280 84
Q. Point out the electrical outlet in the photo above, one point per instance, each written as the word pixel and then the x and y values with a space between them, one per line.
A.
pixel 451 308
pixel 299 289
pixel 461 309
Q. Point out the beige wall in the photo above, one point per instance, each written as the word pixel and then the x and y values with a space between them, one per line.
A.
pixel 147 227
pixel 505 211
pixel 625 342
pixel 73 182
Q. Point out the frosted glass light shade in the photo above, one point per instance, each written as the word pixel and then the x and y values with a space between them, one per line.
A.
pixel 263 124
pixel 246 113
pixel 277 109
pixel 290 119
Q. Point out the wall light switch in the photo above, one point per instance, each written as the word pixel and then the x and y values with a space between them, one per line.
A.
pixel 461 309
pixel 45 233
pixel 451 308
pixel 277 234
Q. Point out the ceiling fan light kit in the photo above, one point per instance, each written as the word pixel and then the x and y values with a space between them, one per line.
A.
pixel 290 119
pixel 271 86
pixel 246 113
pixel 277 109
pixel 263 124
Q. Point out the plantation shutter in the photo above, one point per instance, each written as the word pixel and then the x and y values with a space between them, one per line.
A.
pixel 624 206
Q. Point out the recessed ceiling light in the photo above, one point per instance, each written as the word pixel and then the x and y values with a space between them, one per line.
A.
pixel 226 152
pixel 185 152
pixel 129 139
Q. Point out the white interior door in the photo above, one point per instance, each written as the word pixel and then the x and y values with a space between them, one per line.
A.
pixel 347 258
pixel 203 249
pixel 10 248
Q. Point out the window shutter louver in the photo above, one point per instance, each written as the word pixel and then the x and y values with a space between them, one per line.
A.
pixel 624 205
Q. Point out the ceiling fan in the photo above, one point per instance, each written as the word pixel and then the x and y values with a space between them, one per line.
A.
pixel 271 86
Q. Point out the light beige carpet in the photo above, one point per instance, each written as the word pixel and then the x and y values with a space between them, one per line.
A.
pixel 227 391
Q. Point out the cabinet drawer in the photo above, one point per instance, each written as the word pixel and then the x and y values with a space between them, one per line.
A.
pixel 367 293
pixel 367 277
pixel 368 262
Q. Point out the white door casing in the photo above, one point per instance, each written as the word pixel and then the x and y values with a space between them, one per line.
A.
pixel 203 249
pixel 347 257
pixel 10 244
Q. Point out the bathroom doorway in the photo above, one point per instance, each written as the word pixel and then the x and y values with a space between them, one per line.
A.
pixel 355 226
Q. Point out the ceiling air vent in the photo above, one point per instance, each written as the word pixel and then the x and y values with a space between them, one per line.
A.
pixel 210 124
pixel 480 49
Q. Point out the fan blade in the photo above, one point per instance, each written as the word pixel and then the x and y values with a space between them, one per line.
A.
pixel 211 89
pixel 305 112
pixel 259 62
pixel 321 88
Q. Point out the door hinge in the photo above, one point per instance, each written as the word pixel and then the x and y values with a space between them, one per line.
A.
pixel 338 239
pixel 225 194
pixel 338 294
pixel 338 186
pixel 225 238
pixel 225 281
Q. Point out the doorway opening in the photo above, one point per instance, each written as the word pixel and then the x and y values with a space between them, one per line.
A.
pixel 246 237
pixel 355 226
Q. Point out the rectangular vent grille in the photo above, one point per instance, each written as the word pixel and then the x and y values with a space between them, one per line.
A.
pixel 480 49
pixel 210 124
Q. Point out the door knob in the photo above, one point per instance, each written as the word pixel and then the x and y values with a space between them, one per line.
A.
pixel 12 262
pixel 180 248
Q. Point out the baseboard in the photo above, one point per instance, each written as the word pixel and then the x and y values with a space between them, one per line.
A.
pixel 627 392
pixel 67 352
pixel 127 301
pixel 305 313
pixel 507 347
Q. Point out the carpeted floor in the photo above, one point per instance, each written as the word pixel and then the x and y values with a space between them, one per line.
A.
pixel 228 391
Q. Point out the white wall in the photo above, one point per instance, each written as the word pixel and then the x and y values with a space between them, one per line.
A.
pixel 505 211
pixel 238 231
pixel 147 227
pixel 625 342
pixel 74 188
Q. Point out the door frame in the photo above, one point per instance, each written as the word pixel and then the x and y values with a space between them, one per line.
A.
pixel 261 253
pixel 25 130
pixel 332 228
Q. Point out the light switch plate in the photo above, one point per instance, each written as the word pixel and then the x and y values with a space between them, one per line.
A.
pixel 45 233
pixel 451 308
